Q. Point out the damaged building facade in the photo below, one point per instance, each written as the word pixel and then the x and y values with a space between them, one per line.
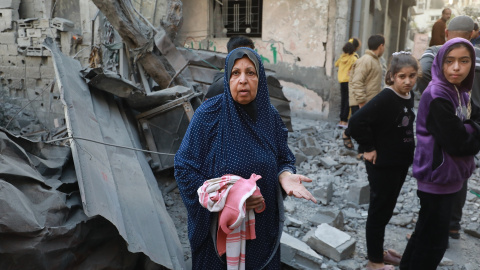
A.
pixel 299 40
pixel 103 80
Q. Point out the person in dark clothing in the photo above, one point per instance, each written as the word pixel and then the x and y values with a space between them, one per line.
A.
pixel 384 127
pixel 475 38
pixel 438 29
pixel 461 27
pixel 216 88
pixel 448 138
pixel 239 133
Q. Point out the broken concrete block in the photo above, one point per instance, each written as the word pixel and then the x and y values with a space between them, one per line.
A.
pixel 62 24
pixel 34 33
pixel 299 158
pixel 24 42
pixel 41 24
pixel 35 51
pixel 293 222
pixel 11 4
pixel 333 218
pixel 328 162
pixel 446 262
pixel 289 206
pixel 359 193
pixel 324 193
pixel 309 146
pixel 297 254
pixel 330 242
pixel 473 230
pixel 26 23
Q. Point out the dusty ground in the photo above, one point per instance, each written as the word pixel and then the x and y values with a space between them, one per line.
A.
pixel 462 254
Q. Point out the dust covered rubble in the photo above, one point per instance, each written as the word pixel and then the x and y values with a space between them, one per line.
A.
pixel 340 186
pixel 335 172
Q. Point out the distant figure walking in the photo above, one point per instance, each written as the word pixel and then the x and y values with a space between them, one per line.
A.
pixel 438 29
pixel 344 64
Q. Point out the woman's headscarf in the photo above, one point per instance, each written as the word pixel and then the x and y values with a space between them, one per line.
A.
pixel 224 139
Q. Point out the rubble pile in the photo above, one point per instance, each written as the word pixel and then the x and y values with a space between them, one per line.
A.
pixel 331 233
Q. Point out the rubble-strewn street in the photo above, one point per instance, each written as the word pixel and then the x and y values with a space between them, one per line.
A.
pixel 336 171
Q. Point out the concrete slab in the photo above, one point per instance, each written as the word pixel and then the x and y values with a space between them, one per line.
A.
pixel 334 218
pixel 297 254
pixel 328 162
pixel 330 242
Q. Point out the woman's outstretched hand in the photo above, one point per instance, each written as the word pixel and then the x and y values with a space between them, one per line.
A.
pixel 292 184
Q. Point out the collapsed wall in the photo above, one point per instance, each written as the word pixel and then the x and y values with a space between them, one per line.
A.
pixel 26 70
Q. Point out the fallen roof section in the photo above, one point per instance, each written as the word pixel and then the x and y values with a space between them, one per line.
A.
pixel 116 183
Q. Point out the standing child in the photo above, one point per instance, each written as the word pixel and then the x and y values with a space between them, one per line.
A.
pixel 344 64
pixel 448 140
pixel 384 127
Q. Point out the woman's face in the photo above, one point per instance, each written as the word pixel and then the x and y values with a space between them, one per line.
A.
pixel 404 80
pixel 243 81
pixel 457 65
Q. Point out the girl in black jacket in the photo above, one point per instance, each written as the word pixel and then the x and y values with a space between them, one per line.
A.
pixel 384 127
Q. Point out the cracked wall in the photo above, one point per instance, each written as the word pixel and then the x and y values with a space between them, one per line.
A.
pixel 300 40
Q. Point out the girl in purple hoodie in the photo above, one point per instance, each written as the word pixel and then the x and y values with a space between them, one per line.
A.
pixel 448 138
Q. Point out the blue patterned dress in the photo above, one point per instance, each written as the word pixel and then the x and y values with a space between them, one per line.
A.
pixel 223 139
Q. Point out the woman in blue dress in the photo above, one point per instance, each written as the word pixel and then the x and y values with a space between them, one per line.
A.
pixel 240 133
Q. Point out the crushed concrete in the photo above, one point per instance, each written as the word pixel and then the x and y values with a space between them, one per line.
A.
pixel 462 254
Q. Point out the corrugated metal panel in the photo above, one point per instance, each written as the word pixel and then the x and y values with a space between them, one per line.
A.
pixel 115 183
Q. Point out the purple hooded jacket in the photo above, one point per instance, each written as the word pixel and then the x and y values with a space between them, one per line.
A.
pixel 437 171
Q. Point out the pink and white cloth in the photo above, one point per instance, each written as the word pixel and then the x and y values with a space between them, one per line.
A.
pixel 227 195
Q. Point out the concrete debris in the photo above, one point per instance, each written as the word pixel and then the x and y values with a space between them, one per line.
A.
pixel 446 262
pixel 292 222
pixel 324 193
pixel 349 265
pixel 330 242
pixel 359 193
pixel 328 162
pixel 297 254
pixel 109 81
pixel 62 24
pixel 309 146
pixel 473 230
pixel 333 218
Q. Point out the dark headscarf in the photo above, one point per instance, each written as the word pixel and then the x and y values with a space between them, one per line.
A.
pixel 223 139
pixel 250 108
